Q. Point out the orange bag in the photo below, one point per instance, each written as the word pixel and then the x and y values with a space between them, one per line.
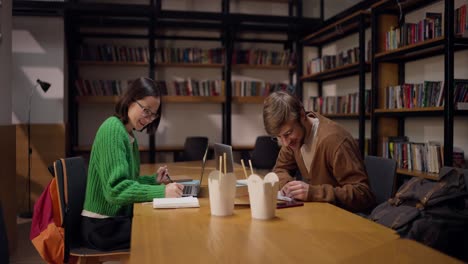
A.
pixel 47 234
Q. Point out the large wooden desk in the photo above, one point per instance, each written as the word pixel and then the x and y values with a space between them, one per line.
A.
pixel 315 232
pixel 402 251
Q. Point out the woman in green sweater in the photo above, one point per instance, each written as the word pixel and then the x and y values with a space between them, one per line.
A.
pixel 114 182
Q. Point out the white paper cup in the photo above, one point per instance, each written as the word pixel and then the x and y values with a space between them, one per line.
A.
pixel 222 189
pixel 262 195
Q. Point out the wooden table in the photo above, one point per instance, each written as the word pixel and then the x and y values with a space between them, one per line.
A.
pixel 317 232
pixel 402 251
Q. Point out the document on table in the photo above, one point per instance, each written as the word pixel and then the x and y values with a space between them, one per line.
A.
pixel 182 202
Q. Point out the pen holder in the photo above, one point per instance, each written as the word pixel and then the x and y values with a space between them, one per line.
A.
pixel 222 189
pixel 262 194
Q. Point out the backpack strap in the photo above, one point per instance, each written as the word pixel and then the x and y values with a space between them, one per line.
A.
pixel 66 254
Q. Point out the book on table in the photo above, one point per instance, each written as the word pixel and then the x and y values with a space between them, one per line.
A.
pixel 182 202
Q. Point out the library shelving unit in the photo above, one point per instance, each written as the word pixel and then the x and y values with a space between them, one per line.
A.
pixel 388 69
pixel 332 30
pixel 149 24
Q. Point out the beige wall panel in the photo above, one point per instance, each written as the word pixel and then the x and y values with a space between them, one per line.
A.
pixel 48 144
pixel 7 181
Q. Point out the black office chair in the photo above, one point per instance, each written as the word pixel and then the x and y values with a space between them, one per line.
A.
pixel 4 253
pixel 382 176
pixel 71 185
pixel 194 149
pixel 265 153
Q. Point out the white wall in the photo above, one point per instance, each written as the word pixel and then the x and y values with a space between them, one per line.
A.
pixel 38 53
pixel 5 62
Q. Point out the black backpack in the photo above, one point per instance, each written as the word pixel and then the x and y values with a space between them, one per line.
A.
pixel 434 213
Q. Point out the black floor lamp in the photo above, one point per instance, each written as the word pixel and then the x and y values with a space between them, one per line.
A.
pixel 45 86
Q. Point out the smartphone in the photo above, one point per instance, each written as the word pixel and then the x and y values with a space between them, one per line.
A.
pixel 285 204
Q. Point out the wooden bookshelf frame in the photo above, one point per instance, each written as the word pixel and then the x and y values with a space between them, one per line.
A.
pixel 261 67
pixel 113 63
pixel 248 99
pixel 336 73
pixel 421 174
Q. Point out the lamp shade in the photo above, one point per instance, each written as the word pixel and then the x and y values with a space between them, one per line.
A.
pixel 44 85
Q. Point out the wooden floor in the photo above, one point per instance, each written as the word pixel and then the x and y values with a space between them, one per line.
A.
pixel 25 252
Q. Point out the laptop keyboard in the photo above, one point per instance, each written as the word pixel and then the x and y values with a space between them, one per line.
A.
pixel 188 189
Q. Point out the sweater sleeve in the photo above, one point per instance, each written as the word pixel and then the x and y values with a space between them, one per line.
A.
pixel 148 179
pixel 285 164
pixel 353 191
pixel 114 168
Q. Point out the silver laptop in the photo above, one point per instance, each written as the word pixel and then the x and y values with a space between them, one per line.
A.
pixel 192 188
pixel 219 150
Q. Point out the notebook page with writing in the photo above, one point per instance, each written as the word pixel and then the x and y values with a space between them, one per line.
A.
pixel 182 202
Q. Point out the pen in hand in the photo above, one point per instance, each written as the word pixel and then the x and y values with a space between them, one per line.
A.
pixel 163 175
pixel 169 178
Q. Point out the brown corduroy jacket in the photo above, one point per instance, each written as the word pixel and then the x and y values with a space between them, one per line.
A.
pixel 337 173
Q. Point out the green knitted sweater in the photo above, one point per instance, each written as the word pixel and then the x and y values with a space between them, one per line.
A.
pixel 113 183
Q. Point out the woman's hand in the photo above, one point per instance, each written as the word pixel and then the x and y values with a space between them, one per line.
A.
pixel 174 190
pixel 163 175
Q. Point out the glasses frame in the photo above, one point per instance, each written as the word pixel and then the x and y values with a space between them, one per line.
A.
pixel 146 113
pixel 285 135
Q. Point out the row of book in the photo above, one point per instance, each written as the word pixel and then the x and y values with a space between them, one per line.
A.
pixel 100 87
pixel 427 94
pixel 461 21
pixel 111 53
pixel 424 157
pixel 186 87
pixel 257 88
pixel 460 94
pixel 328 62
pixel 190 55
pixel 190 87
pixel 264 57
pixel 348 104
pixel 411 33
pixel 408 95
pixel 182 87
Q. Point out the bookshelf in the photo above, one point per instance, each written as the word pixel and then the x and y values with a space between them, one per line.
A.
pixel 352 63
pixel 133 31
pixel 389 69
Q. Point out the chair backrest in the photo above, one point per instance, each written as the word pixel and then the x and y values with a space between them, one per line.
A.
pixel 265 153
pixel 382 176
pixel 71 180
pixel 194 148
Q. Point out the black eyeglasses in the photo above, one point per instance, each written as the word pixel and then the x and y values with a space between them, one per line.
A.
pixel 147 113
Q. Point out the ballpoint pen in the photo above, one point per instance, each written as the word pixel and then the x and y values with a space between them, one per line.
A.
pixel 169 178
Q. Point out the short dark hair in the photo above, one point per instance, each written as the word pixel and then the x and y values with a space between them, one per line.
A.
pixel 278 108
pixel 139 89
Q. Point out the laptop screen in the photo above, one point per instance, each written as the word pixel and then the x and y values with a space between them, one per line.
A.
pixel 219 150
